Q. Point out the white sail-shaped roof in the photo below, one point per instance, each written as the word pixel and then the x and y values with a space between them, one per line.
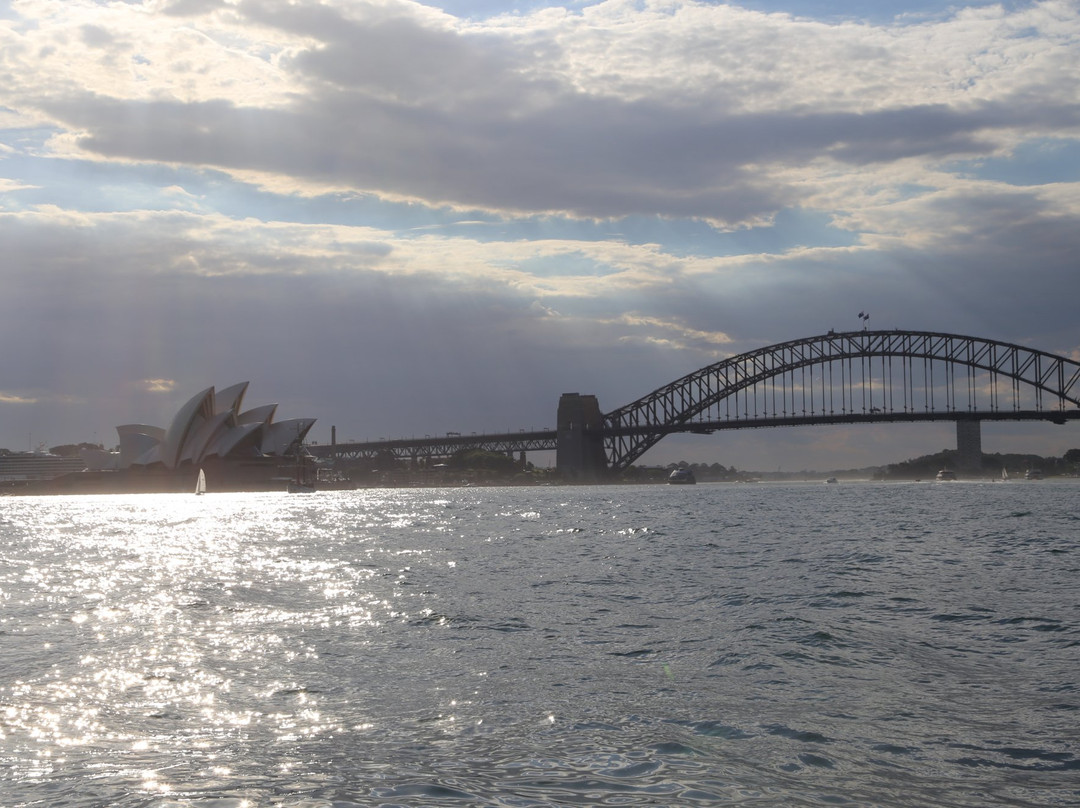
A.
pixel 258 415
pixel 230 398
pixel 280 437
pixel 207 432
pixel 211 424
pixel 229 440
pixel 190 417
pixel 137 441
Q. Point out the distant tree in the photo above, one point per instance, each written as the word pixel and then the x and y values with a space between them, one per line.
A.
pixel 488 461
pixel 72 449
pixel 1072 456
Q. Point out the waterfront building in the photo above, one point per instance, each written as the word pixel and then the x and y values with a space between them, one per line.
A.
pixel 22 467
pixel 237 449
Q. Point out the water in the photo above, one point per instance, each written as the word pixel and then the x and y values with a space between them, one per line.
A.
pixel 752 645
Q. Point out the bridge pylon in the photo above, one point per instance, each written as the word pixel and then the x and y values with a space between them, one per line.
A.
pixel 580 455
pixel 969 444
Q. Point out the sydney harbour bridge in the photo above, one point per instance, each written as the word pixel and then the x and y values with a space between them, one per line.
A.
pixel 835 378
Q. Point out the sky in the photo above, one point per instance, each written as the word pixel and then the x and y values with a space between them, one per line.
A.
pixel 406 218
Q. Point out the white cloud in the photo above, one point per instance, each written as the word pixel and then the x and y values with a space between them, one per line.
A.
pixel 158 385
pixel 9 186
pixel 15 398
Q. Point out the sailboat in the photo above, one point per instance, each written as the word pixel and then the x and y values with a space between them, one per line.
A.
pixel 1004 475
pixel 200 483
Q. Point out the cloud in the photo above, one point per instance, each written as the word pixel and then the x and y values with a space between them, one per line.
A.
pixel 192 8
pixel 667 333
pixel 8 186
pixel 15 398
pixel 551 113
pixel 170 289
pixel 158 385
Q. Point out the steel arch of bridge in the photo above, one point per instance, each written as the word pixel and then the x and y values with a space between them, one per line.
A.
pixel 850 377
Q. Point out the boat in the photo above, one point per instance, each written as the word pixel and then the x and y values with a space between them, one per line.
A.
pixel 681 477
pixel 200 483
pixel 946 475
pixel 1033 474
pixel 1004 474
pixel 832 480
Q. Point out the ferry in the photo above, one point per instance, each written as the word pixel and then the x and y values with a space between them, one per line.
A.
pixel 681 477
pixel 946 475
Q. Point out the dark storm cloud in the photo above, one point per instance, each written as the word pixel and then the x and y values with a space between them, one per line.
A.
pixel 588 157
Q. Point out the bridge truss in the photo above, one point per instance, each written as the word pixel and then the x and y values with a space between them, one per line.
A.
pixel 413 449
pixel 851 377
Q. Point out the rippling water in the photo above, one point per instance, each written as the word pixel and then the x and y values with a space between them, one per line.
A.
pixel 759 645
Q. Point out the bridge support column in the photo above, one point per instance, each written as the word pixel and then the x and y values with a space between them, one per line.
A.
pixel 579 454
pixel 969 444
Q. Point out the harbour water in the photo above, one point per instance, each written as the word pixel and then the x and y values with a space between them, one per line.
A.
pixel 756 645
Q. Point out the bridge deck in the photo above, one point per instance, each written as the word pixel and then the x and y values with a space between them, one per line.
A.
pixel 547 440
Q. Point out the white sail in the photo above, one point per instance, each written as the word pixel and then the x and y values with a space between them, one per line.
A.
pixel 200 483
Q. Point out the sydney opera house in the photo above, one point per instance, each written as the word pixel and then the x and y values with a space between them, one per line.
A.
pixel 236 449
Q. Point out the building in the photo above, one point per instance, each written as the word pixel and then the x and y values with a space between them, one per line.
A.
pixel 23 467
pixel 237 450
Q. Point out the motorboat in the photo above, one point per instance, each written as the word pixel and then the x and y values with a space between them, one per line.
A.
pixel 946 475
pixel 681 477
pixel 832 480
pixel 1033 474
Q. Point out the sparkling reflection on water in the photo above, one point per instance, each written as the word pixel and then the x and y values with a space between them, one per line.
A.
pixel 893 645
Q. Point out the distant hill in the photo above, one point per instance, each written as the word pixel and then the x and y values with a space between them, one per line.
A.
pixel 992 464
pixel 919 468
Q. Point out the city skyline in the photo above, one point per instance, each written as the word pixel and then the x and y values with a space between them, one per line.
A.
pixel 403 218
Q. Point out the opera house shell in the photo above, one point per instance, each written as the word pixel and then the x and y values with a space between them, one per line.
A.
pixel 237 450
